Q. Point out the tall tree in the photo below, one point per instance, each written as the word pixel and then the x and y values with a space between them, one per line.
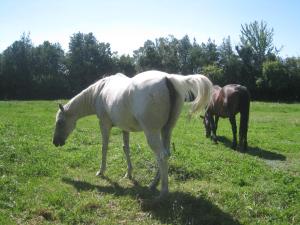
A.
pixel 211 53
pixel 259 38
pixel 168 52
pixel 184 53
pixel 50 72
pixel 125 64
pixel 256 47
pixel 88 60
pixel 147 57
pixel 17 69
pixel 1 77
pixel 292 65
pixel 229 62
pixel 196 59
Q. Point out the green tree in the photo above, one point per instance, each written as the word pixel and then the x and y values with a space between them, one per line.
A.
pixel 292 65
pixel 168 52
pixel 260 39
pixel 229 62
pixel 17 69
pixel 88 60
pixel 125 64
pixel 196 59
pixel 275 78
pixel 50 72
pixel 184 54
pixel 214 73
pixel 211 54
pixel 147 57
pixel 1 77
pixel 255 48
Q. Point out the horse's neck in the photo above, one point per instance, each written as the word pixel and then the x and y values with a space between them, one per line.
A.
pixel 81 105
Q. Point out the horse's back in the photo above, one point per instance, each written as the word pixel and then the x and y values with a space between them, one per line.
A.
pixel 135 103
pixel 229 99
pixel 150 101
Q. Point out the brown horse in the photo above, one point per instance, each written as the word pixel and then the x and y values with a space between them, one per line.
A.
pixel 227 102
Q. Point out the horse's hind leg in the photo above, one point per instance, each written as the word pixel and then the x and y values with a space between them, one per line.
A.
pixel 243 140
pixel 155 142
pixel 126 149
pixel 234 131
pixel 216 122
pixel 105 131
pixel 166 138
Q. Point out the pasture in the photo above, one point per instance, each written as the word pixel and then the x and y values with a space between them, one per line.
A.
pixel 209 183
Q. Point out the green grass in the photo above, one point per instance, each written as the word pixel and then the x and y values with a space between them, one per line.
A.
pixel 209 184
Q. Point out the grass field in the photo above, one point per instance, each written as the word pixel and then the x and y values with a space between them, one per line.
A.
pixel 209 184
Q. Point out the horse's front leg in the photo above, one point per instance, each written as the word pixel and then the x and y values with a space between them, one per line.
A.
pixel 126 149
pixel 105 131
pixel 234 131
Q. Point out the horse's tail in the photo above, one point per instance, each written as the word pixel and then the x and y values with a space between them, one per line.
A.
pixel 181 87
pixel 198 85
pixel 244 120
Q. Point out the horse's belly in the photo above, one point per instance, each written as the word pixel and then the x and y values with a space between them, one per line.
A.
pixel 125 122
pixel 130 127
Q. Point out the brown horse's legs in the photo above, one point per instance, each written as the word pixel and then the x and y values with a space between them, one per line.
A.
pixel 213 128
pixel 216 122
pixel 234 131
pixel 243 140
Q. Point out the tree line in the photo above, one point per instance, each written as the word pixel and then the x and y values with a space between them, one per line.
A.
pixel 47 72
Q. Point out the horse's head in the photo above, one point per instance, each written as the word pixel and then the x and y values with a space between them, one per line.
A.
pixel 206 122
pixel 64 125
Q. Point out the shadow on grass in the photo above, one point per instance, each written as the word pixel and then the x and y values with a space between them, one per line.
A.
pixel 177 208
pixel 255 151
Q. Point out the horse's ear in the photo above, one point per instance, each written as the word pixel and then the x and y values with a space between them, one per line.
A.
pixel 61 107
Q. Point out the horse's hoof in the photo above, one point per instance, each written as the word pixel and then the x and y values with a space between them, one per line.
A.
pixel 100 174
pixel 215 141
pixel 234 146
pixel 128 176
pixel 243 150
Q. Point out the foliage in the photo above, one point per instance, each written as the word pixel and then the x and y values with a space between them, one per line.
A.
pixel 275 75
pixel 88 60
pixel 259 38
pixel 214 73
pixel 125 65
pixel 293 69
pixel 16 69
pixel 50 72
pixel 47 72
pixel 209 184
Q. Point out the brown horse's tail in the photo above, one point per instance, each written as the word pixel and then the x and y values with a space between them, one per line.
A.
pixel 244 110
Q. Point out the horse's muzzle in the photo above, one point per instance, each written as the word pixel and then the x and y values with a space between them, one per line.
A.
pixel 58 142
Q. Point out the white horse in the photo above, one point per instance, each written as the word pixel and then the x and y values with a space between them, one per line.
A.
pixel 150 102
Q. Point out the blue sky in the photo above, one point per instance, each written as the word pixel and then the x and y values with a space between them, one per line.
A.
pixel 126 25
